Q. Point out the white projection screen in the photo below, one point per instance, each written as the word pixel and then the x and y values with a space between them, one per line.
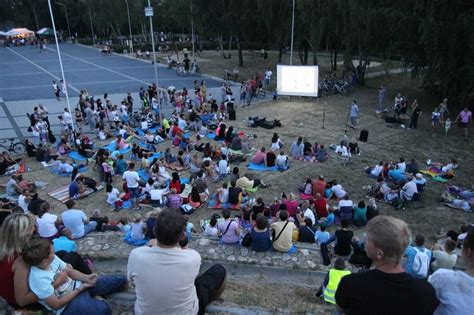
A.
pixel 297 80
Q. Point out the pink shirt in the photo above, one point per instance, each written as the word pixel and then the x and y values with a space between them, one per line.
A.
pixel 465 116
pixel 258 157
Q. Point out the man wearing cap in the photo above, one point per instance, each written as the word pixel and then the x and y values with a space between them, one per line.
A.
pixel 419 179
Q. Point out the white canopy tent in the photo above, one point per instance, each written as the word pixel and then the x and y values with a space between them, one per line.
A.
pixel 22 32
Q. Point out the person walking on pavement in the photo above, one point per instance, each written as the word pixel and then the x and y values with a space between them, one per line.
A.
pixel 56 90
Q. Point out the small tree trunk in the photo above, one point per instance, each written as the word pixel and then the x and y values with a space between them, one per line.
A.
pixel 305 52
pixel 241 55
pixel 221 46
pixel 335 60
pixel 280 53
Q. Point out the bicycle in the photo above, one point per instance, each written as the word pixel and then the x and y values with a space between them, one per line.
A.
pixel 14 146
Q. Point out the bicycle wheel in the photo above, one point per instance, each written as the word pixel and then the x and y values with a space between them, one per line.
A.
pixel 19 148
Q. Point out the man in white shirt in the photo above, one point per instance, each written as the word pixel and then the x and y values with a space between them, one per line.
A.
pixel 402 166
pixel 166 276
pixel 76 221
pixel 23 200
pixel 132 178
pixel 338 190
pixel 268 78
pixel 282 161
pixel 408 190
pixel 65 168
pixel 157 195
pixel 67 118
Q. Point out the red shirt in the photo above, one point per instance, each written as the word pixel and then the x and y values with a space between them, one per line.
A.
pixel 320 207
pixel 291 207
pixel 175 130
pixel 6 280
pixel 318 187
pixel 176 185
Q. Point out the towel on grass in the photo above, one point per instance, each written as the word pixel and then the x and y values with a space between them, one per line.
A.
pixel 212 135
pixel 76 156
pixel 261 167
pixel 113 145
pixel 62 194
pixel 56 171
pixel 155 155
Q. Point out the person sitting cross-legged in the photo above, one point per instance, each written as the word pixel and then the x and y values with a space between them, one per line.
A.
pixel 62 289
pixel 166 276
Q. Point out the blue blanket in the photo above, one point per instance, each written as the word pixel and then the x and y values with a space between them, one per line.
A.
pixel 212 135
pixel 76 156
pixel 113 145
pixel 128 239
pixel 56 171
pixel 156 155
pixel 261 167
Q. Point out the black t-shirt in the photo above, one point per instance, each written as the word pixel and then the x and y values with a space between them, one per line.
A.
pixel 3 167
pixel 271 158
pixel 344 239
pixel 234 195
pixel 256 209
pixel 306 234
pixel 376 292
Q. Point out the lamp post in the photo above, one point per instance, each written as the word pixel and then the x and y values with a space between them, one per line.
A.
pixel 67 17
pixel 149 13
pixel 129 27
pixel 60 60
pixel 192 29
pixel 292 32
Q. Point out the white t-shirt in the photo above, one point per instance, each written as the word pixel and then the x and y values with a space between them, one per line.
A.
pixel 276 145
pixel 73 220
pixel 345 203
pixel 443 260
pixel 132 178
pixel 211 230
pixel 47 225
pixel 222 167
pixel 67 118
pixel 102 135
pixel 224 195
pixel 157 194
pixel 281 160
pixel 310 214
pixel 137 230
pixel 268 74
pixel 376 170
pixel 338 191
pixel 23 204
pixel 402 166
pixel 65 168
pixel 454 290
pixel 164 280
pixel 410 188
pixel 113 196
pixel 144 125
pixel 447 168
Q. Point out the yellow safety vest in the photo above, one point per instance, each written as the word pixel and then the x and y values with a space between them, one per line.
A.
pixel 335 277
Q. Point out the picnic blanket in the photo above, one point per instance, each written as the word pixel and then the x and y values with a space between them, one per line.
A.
pixel 437 175
pixel 127 204
pixel 128 239
pixel 155 155
pixel 261 167
pixel 212 135
pixel 76 156
pixel 56 171
pixel 113 145
pixel 62 194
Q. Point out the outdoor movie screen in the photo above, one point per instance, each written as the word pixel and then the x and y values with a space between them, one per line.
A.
pixel 297 80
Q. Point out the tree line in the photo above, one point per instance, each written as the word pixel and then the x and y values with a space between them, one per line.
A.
pixel 434 38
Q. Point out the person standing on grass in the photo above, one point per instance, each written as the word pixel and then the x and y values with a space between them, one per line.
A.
pixel 354 114
pixel 465 116
pixel 415 114
pixel 56 90
pixel 382 93
pixel 132 179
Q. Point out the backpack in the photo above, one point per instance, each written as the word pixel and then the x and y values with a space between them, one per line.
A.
pixel 421 263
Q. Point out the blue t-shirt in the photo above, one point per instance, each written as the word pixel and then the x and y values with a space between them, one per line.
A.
pixel 65 244
pixel 330 219
pixel 261 241
pixel 321 237
pixel 74 189
pixel 410 252
pixel 41 281
pixel 121 166
pixel 396 175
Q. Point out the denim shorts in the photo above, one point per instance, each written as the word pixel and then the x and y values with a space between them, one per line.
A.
pixel 135 192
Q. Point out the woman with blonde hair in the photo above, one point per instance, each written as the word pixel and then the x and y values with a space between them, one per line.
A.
pixel 15 232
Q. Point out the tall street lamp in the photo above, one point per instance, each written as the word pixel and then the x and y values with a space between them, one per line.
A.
pixel 129 28
pixel 292 32
pixel 149 13
pixel 60 59
pixel 67 17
